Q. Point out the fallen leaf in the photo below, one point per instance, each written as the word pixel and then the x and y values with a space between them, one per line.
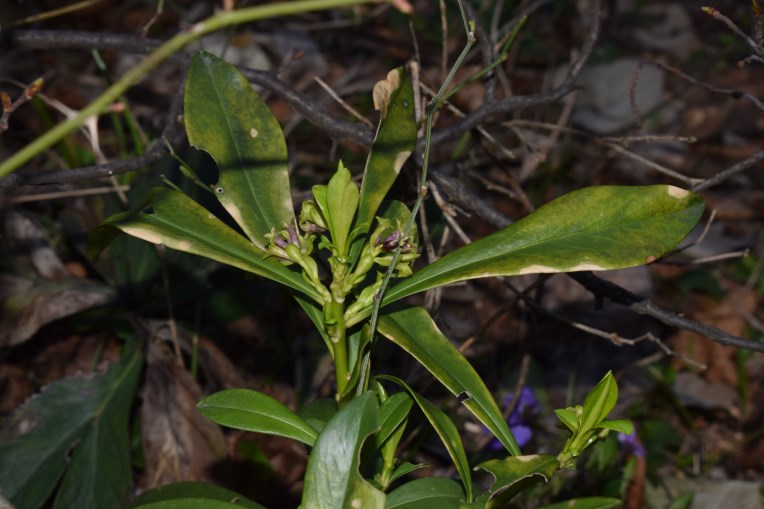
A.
pixel 179 443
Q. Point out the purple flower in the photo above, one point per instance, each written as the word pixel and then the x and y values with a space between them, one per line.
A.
pixel 631 444
pixel 526 409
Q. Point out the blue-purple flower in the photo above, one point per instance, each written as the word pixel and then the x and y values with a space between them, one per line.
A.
pixel 631 444
pixel 525 411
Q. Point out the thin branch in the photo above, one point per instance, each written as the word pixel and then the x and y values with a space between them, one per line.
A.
pixel 729 172
pixel 591 40
pixel 74 193
pixel 486 52
pixel 735 94
pixel 156 153
pixel 336 128
pixel 365 121
pixel 652 164
pixel 642 306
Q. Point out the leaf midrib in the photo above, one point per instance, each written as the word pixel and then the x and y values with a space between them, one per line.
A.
pixel 239 154
pixel 392 297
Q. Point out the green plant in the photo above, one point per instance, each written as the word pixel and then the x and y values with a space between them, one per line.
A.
pixel 365 240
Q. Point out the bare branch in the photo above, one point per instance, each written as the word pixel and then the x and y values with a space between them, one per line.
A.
pixel 729 172
pixel 619 295
pixel 336 128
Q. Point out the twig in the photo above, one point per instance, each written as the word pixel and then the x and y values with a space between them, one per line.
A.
pixel 652 164
pixel 732 26
pixel 708 259
pixel 613 337
pixel 459 192
pixel 342 103
pixel 591 40
pixel 157 152
pixel 211 24
pixel 443 41
pixel 157 12
pixel 75 193
pixel 448 213
pixel 735 94
pixel 9 106
pixel 55 12
pixel 481 130
pixel 729 172
pixel 615 293
pixel 531 162
pixel 486 52
pixel 41 39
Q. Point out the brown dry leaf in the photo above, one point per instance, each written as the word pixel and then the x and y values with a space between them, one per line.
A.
pixel 73 356
pixel 15 388
pixel 725 315
pixel 384 89
pixel 46 291
pixel 179 443
pixel 218 370
pixel 26 305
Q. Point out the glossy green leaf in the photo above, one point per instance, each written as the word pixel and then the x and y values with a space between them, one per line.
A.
pixel 595 228
pixel 226 118
pixel 79 428
pixel 393 412
pixel 599 402
pixel 341 206
pixel 253 411
pixel 172 495
pixel 568 418
pixel 426 493
pixel 413 330
pixel 332 480
pixel 445 429
pixel 171 218
pixel 192 503
pixel 358 348
pixel 318 412
pixel 620 425
pixel 396 136
pixel 406 468
pixel 586 503
pixel 515 474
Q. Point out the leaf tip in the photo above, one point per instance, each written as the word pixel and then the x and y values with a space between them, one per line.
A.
pixel 384 89
pixel 677 192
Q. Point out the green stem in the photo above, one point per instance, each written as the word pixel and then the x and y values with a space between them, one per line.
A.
pixel 503 54
pixel 211 24
pixel 338 336
pixel 431 109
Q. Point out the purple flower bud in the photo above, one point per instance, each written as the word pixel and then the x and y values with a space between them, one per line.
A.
pixel 293 237
pixel 312 228
pixel 391 242
pixel 279 241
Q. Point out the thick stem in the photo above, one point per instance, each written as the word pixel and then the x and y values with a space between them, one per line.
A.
pixel 338 335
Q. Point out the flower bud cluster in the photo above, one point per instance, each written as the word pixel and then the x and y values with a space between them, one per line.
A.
pixel 288 246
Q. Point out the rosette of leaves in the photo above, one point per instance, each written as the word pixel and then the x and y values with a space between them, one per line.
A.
pixel 354 230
